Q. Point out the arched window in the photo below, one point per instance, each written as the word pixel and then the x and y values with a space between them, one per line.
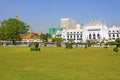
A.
pixel 113 35
pixel 80 36
pixel 117 35
pixel 109 35
pixel 94 36
pixel 98 36
pixel 89 36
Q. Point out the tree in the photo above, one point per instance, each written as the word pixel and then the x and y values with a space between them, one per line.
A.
pixel 45 37
pixel 13 30
pixel 58 41
pixel 117 42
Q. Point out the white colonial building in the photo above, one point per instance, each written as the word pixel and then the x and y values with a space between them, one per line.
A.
pixel 94 30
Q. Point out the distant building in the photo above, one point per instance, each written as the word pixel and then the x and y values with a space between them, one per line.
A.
pixel 96 30
pixel 31 37
pixel 52 31
pixel 67 23
pixel 114 32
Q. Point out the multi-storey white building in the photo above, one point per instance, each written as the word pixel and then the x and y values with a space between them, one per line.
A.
pixel 93 30
pixel 114 32
pixel 67 23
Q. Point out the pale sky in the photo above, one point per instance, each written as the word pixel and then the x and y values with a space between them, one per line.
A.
pixel 42 14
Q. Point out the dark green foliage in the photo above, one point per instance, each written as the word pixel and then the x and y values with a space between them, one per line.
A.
pixel 36 44
pixel 45 38
pixel 58 41
pixel 13 30
pixel 116 49
pixel 59 45
pixel 117 42
pixel 69 45
pixel 36 47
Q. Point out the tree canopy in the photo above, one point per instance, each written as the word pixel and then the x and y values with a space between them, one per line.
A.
pixel 12 29
pixel 44 37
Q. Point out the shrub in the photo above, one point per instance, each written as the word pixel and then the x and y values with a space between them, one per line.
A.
pixel 86 46
pixel 59 45
pixel 116 49
pixel 36 44
pixel 69 45
pixel 35 48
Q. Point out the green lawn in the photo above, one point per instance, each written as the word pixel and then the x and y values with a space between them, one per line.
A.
pixel 51 63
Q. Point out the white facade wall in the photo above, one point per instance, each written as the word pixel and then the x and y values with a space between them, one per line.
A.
pixel 114 32
pixel 95 32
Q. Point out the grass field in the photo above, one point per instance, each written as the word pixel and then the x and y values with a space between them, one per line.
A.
pixel 51 63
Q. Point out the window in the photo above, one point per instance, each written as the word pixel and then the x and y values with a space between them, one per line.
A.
pixel 113 35
pixel 67 36
pixel 109 35
pixel 98 36
pixel 117 35
pixel 113 31
pixel 89 36
pixel 94 36
pixel 81 36
pixel 74 36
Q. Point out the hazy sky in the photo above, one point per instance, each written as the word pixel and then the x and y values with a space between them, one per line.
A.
pixel 42 14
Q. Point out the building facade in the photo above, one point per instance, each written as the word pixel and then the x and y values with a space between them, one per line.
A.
pixel 52 31
pixel 96 30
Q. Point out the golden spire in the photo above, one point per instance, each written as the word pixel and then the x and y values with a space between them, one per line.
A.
pixel 16 16
pixel 31 32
